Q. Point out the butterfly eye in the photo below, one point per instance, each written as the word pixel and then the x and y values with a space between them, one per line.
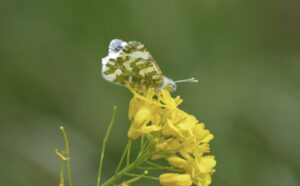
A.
pixel 118 48
pixel 116 45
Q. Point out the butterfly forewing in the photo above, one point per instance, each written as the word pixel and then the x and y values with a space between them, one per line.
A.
pixel 131 62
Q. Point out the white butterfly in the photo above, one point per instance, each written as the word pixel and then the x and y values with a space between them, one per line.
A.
pixel 130 62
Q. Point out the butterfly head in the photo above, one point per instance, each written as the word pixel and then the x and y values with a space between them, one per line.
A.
pixel 171 85
pixel 168 84
pixel 116 46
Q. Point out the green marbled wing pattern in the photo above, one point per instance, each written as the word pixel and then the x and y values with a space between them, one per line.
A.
pixel 135 65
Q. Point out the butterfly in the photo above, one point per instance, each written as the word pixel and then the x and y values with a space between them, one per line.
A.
pixel 131 63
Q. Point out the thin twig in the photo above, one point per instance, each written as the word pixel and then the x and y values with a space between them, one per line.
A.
pixel 122 157
pixel 160 168
pixel 67 154
pixel 141 176
pixel 142 143
pixel 128 152
pixel 104 145
pixel 61 174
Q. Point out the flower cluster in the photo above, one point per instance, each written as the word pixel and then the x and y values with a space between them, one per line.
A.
pixel 178 137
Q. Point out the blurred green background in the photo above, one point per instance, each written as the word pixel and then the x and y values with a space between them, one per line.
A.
pixel 246 55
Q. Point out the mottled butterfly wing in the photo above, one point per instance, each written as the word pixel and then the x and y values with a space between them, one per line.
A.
pixel 131 62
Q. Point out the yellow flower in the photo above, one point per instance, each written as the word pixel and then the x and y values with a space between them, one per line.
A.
pixel 172 179
pixel 201 169
pixel 177 136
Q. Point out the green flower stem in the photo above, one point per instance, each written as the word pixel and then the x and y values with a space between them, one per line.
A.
pixel 146 143
pixel 122 157
pixel 142 143
pixel 154 164
pixel 128 152
pixel 61 174
pixel 132 180
pixel 160 168
pixel 67 154
pixel 104 145
pixel 120 174
pixel 136 163
pixel 142 176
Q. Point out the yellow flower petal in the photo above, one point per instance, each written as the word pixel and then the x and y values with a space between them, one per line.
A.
pixel 148 129
pixel 134 132
pixel 142 117
pixel 167 99
pixel 177 161
pixel 170 129
pixel 206 164
pixel 172 179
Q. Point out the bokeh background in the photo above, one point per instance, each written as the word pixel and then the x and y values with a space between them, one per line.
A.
pixel 246 55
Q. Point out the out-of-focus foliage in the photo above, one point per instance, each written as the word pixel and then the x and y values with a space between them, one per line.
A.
pixel 245 54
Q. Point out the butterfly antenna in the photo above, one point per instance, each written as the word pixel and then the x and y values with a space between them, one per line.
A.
pixel 190 80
